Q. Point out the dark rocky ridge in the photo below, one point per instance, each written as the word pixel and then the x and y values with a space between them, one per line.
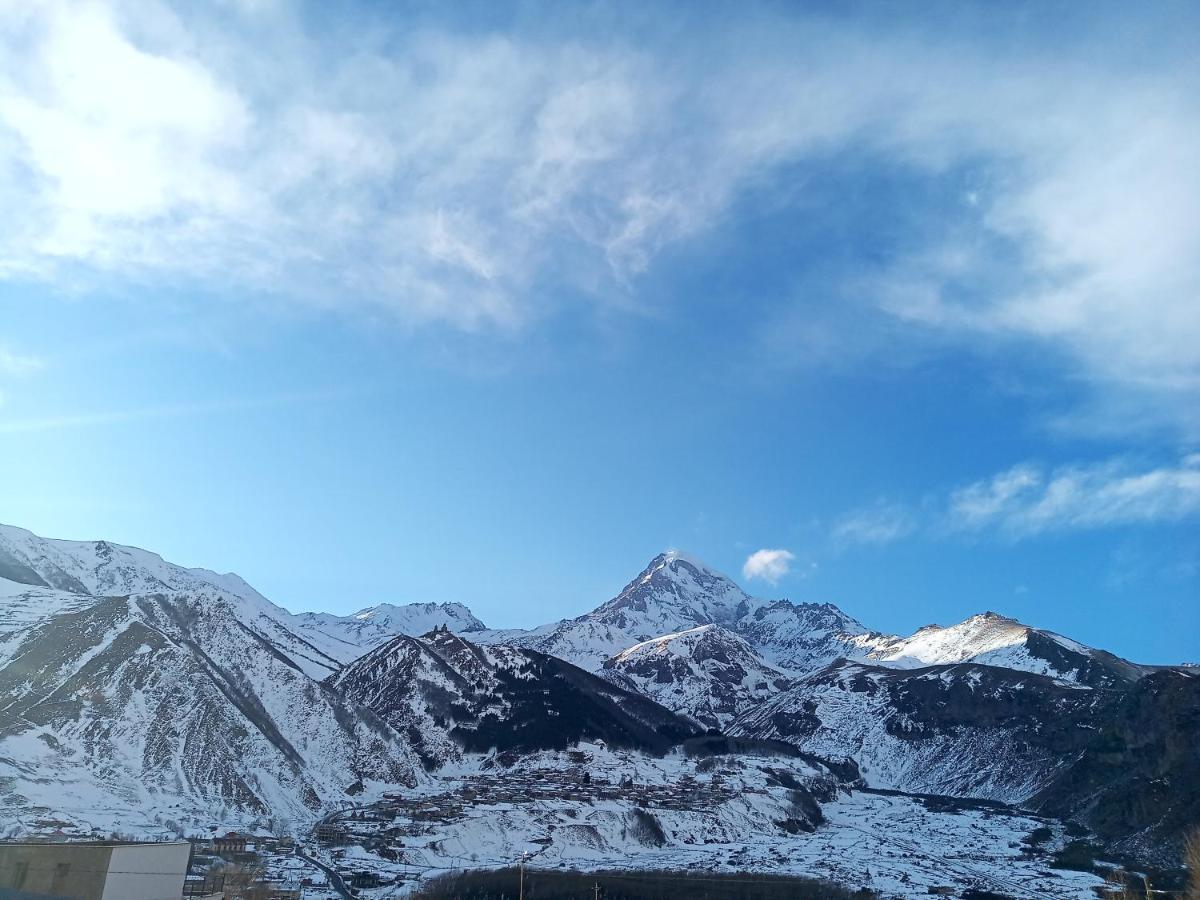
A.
pixel 1136 779
pixel 450 695
pixel 1123 760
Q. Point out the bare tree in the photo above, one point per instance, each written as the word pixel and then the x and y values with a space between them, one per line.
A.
pixel 1122 885
pixel 245 882
pixel 1191 859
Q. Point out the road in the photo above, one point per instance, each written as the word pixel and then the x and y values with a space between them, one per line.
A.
pixel 335 880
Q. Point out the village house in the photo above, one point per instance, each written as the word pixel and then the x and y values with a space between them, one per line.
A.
pixel 233 842
pixel 330 834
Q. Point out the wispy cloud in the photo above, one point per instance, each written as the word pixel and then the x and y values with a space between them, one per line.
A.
pixel 117 417
pixel 768 565
pixel 881 523
pixel 1027 501
pixel 12 363
pixel 468 178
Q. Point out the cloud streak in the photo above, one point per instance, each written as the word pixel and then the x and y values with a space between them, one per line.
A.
pixel 12 363
pixel 117 417
pixel 882 523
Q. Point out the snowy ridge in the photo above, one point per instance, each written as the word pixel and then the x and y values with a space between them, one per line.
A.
pixel 103 569
pixel 994 640
pixel 346 638
pixel 989 639
pixel 319 643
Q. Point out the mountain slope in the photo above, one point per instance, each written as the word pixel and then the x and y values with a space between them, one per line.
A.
pixel 1123 760
pixel 118 708
pixel 706 672
pixel 962 730
pixel 449 695
pixel 103 569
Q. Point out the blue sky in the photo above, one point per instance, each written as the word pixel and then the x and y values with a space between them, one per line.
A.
pixel 894 307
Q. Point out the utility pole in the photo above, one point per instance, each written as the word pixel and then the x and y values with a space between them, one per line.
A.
pixel 521 882
pixel 596 891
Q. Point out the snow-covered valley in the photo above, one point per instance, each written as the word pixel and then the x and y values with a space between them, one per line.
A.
pixel 747 813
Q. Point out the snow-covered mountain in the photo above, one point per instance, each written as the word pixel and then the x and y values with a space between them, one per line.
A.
pixel 104 569
pixel 993 640
pixel 450 696
pixel 707 672
pixel 319 643
pixel 676 593
pixel 348 637
pixel 132 689
pixel 171 706
pixel 669 630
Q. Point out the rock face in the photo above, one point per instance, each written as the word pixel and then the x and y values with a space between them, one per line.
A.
pixel 1136 781
pixel 448 695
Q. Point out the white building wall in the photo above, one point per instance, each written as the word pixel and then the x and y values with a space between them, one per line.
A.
pixel 147 871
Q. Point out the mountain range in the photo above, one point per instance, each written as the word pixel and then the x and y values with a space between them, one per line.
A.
pixel 145 691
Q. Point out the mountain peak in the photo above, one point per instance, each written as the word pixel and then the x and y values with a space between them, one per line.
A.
pixel 679 589
pixel 673 562
pixel 989 616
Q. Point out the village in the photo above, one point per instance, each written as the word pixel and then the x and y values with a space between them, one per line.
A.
pixel 397 829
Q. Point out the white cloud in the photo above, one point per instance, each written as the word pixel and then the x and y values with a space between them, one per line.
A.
pixel 769 565
pixel 878 524
pixel 466 178
pixel 1026 501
